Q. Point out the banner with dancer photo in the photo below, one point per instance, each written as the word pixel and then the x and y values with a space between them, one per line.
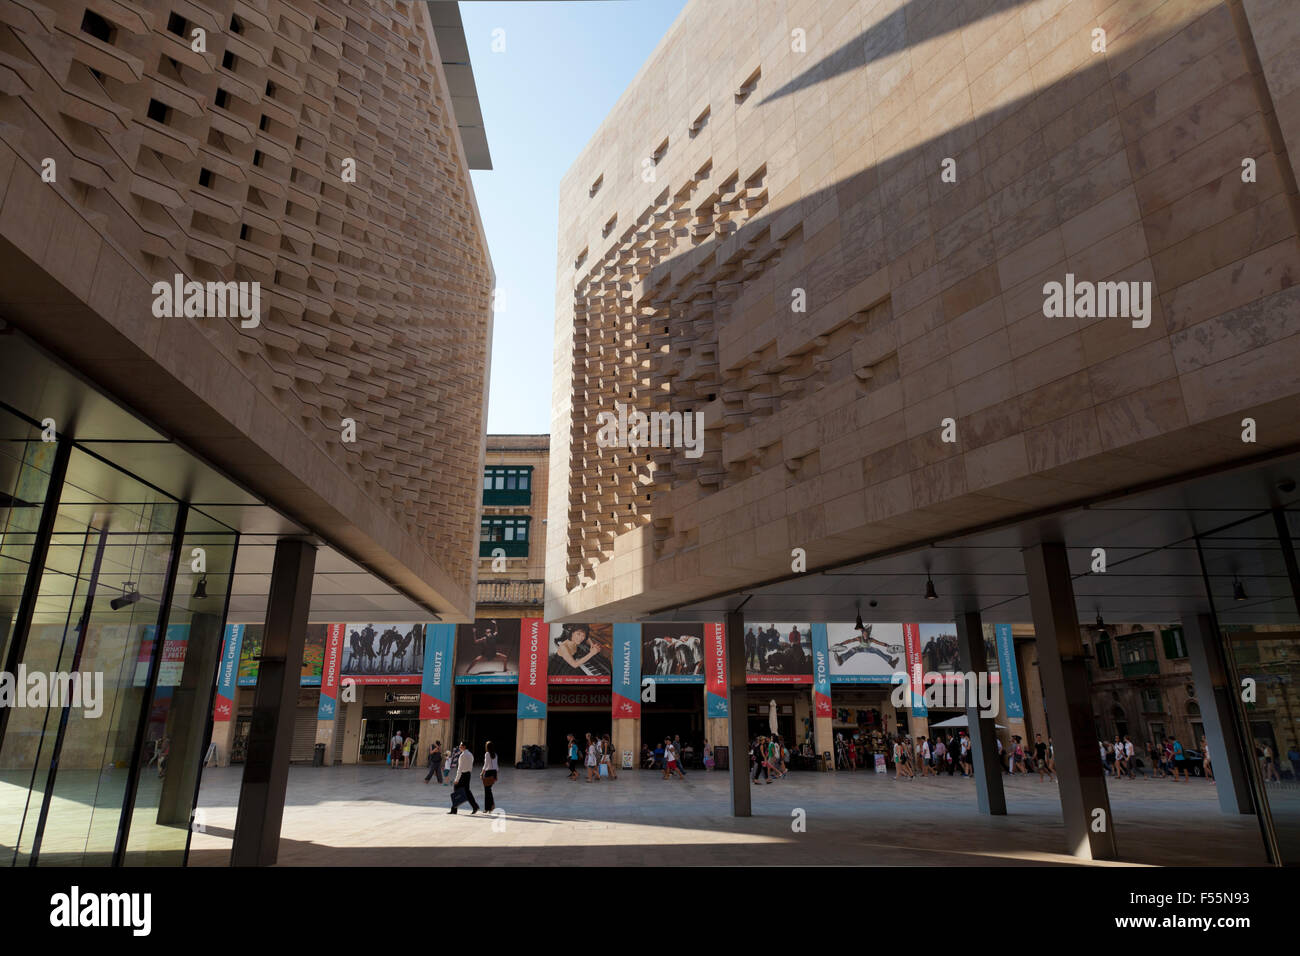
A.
pixel 487 651
pixel 778 654
pixel 580 653
pixel 331 668
pixel 912 641
pixel 673 653
pixel 532 676
pixel 625 661
pixel 715 677
pixel 224 706
pixel 384 653
pixel 435 681
pixel 873 655
pixel 821 672
pixel 1010 677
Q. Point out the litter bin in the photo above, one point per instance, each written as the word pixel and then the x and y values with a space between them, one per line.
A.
pixel 318 756
pixel 722 758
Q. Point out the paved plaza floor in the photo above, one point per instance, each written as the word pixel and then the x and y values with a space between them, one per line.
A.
pixel 359 815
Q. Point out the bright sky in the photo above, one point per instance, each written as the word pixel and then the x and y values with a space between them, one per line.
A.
pixel 564 66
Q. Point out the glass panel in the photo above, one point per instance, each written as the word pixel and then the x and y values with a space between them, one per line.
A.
pixel 99 593
pixel 181 706
pixel 25 463
pixel 1270 655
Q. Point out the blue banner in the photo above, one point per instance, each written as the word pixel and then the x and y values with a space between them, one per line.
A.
pixel 1007 672
pixel 625 681
pixel 224 707
pixel 435 680
pixel 821 671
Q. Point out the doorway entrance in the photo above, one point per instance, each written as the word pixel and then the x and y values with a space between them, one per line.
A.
pixel 379 724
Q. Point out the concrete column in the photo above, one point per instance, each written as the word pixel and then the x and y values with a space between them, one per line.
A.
pixel 530 732
pixel 1214 690
pixel 1085 804
pixel 325 735
pixel 266 771
pixel 625 734
pixel 824 739
pixel 187 720
pixel 738 708
pixel 352 714
pixel 984 750
pixel 717 730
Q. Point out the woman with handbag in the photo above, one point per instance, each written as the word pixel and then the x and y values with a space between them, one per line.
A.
pixel 606 756
pixel 488 776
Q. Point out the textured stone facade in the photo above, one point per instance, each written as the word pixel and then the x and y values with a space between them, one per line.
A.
pixel 777 149
pixel 231 163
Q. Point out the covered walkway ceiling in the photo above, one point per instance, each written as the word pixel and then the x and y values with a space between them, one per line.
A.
pixel 1153 574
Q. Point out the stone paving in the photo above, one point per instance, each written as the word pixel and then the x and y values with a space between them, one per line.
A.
pixel 352 816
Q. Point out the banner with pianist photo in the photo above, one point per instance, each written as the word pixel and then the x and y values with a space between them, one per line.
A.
pixel 580 653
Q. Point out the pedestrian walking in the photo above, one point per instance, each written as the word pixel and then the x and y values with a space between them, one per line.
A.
pixel 573 757
pixel 593 774
pixel 759 754
pixel 461 791
pixel 435 762
pixel 489 776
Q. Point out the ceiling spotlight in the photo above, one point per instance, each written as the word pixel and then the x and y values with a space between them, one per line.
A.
pixel 930 594
pixel 201 589
pixel 1238 590
pixel 127 597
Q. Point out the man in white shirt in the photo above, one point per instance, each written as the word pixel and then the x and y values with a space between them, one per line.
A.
pixel 464 770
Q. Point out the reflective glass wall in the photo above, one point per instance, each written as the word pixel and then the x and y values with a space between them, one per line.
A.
pixel 114 599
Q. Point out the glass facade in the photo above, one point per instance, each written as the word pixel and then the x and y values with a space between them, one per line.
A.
pixel 110 654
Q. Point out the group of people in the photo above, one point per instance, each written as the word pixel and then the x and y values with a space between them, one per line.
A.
pixel 769 757
pixel 401 749
pixel 460 761
pixel 931 756
pixel 596 755
pixel 682 754
pixel 764 651
pixel 1166 757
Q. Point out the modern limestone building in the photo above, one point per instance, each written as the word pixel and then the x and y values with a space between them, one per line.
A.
pixel 310 446
pixel 843 234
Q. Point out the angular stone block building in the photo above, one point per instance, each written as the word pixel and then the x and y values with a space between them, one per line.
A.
pixel 828 227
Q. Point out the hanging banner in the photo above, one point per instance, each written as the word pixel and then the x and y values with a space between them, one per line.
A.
pixel 387 654
pixel 435 680
pixel 331 659
pixel 715 671
pixel 872 655
pixel 532 669
pixel 580 653
pixel 224 707
pixel 777 653
pixel 487 651
pixel 626 678
pixel 673 653
pixel 1007 672
pixel 821 672
pixel 912 645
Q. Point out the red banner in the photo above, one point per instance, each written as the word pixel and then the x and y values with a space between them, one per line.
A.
pixel 912 644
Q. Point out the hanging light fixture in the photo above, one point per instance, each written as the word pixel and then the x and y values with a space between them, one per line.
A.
pixel 930 594
pixel 857 623
pixel 1238 590
pixel 1100 625
pixel 130 590
pixel 201 589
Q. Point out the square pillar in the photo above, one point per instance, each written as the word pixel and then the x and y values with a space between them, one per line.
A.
pixel 738 708
pixel 1085 803
pixel 989 793
pixel 266 768
pixel 1214 692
